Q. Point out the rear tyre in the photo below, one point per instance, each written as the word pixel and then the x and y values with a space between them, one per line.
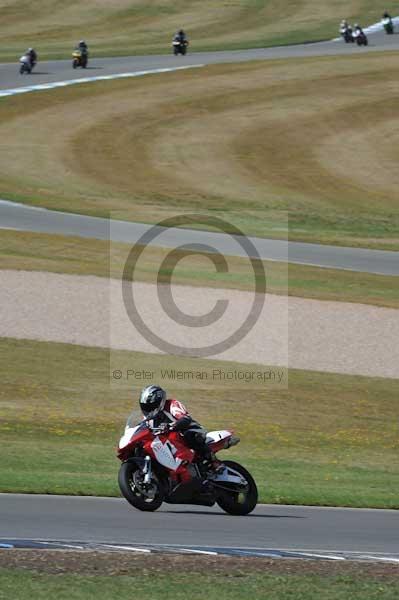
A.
pixel 239 503
pixel 21 69
pixel 75 64
pixel 129 484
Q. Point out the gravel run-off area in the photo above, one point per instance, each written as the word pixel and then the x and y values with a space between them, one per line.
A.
pixel 295 332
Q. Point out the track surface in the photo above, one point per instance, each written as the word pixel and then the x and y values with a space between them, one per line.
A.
pixel 24 218
pixel 112 520
pixel 62 70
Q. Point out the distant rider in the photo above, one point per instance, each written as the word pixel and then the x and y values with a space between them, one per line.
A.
pixel 31 52
pixel 343 26
pixel 180 36
pixel 83 47
pixel 172 415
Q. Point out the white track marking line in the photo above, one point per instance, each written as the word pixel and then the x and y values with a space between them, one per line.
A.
pixel 57 84
pixel 63 544
pixel 130 548
pixel 193 551
pixel 381 558
pixel 326 556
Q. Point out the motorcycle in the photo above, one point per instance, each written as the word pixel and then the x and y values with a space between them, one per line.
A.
pixel 346 33
pixel 80 59
pixel 388 25
pixel 26 65
pixel 360 37
pixel 158 467
pixel 179 47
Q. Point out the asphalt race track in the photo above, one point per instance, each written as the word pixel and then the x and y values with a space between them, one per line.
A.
pixel 14 216
pixel 62 70
pixel 27 218
pixel 313 530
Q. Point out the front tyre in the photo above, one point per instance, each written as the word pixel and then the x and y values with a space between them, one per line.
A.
pixel 131 484
pixel 239 503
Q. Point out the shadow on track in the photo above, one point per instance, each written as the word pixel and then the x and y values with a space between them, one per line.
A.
pixel 222 514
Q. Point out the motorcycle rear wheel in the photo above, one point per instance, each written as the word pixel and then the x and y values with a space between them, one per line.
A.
pixel 132 493
pixel 232 503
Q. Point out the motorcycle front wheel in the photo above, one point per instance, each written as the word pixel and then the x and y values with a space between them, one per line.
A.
pixel 132 488
pixel 239 503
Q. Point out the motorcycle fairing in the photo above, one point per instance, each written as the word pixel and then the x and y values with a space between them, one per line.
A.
pixel 217 436
pixel 228 475
pixel 164 454
pixel 127 436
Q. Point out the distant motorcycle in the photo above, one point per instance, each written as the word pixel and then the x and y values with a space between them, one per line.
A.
pixel 360 37
pixel 80 58
pixel 25 64
pixel 388 25
pixel 346 34
pixel 179 47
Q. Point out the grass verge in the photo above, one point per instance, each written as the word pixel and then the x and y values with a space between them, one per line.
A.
pixel 301 142
pixel 124 27
pixel 179 583
pixel 326 440
pixel 78 256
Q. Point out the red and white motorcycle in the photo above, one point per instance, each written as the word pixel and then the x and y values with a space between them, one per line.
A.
pixel 158 467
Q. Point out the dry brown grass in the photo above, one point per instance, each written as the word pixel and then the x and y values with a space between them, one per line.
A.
pixel 313 139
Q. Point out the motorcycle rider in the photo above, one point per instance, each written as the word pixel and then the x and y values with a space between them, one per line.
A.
pixel 345 30
pixel 180 36
pixel 387 22
pixel 171 415
pixel 83 47
pixel 31 53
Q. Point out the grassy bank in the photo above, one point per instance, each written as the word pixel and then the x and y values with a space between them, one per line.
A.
pixel 79 256
pixel 327 439
pixel 124 27
pixel 24 585
pixel 295 158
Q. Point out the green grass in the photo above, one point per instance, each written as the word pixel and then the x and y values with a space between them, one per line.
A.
pixel 79 256
pixel 326 440
pixel 26 585
pixel 142 27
